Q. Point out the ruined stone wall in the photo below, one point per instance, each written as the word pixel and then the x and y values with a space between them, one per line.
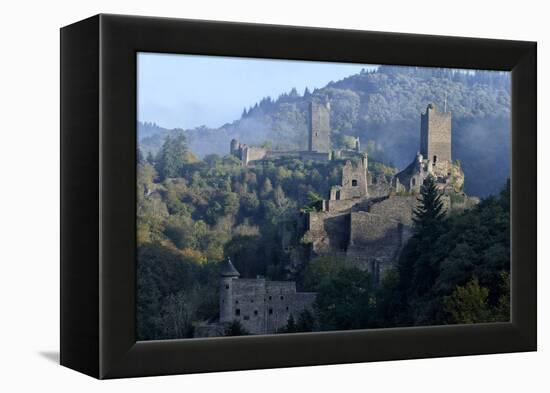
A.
pixel 275 154
pixel 315 156
pixel 375 241
pixel 252 153
pixel 328 232
pixel 339 205
pixel 354 182
pixel 377 190
pixel 435 135
pixel 319 127
pixel 398 208
pixel 378 235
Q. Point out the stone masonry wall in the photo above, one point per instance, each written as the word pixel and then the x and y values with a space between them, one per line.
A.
pixel 435 134
pixel 375 241
pixel 328 232
pixel 319 127
pixel 263 306
pixel 398 208
pixel 252 153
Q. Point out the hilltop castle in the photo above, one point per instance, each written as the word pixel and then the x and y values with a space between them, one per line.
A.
pixel 319 146
pixel 367 221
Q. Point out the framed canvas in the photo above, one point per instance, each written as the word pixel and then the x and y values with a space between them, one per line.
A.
pixel 374 200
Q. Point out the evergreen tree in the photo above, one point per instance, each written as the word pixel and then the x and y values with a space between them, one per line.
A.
pixel 429 214
pixel 419 261
pixel 150 158
pixel 171 158
pixel 236 329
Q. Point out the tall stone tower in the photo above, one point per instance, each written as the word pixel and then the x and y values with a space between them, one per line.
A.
pixel 228 273
pixel 319 127
pixel 435 135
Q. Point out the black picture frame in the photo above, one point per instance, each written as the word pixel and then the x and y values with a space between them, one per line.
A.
pixel 98 194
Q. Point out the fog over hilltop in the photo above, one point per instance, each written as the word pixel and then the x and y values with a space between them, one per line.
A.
pixel 382 107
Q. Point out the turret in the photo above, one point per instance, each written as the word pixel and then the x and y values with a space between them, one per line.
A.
pixel 228 274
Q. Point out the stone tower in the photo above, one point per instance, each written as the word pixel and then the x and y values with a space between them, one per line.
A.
pixel 354 181
pixel 435 135
pixel 319 127
pixel 228 273
pixel 234 147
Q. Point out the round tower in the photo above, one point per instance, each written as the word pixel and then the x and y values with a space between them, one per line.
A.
pixel 228 273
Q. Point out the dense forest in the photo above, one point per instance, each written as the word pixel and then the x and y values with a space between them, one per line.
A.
pixel 383 108
pixel 192 213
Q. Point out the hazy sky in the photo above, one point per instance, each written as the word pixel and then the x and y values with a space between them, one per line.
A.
pixel 188 91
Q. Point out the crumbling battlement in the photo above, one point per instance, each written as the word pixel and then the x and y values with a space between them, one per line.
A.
pixel 354 181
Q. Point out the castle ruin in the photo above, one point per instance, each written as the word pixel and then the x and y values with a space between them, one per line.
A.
pixel 319 146
pixel 366 222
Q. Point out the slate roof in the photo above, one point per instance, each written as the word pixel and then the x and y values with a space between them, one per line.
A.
pixel 228 270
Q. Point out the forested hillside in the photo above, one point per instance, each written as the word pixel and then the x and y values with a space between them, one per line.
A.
pixel 192 213
pixel 383 108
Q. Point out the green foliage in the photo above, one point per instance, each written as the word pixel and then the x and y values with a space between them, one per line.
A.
pixel 315 202
pixel 346 301
pixel 172 156
pixel 216 208
pixel 322 270
pixel 236 329
pixel 468 304
pixel 445 254
pixel 305 323
pixel 429 214
pixel 172 292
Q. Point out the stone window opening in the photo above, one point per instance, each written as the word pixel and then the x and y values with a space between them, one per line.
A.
pixel 337 195
pixel 226 286
pixel 435 159
pixel 270 298
pixel 413 181
pixel 354 183
pixel 270 311
pixel 246 317
pixel 255 312
pixel 282 297
pixel 237 311
pixel 287 308
pixel 236 302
